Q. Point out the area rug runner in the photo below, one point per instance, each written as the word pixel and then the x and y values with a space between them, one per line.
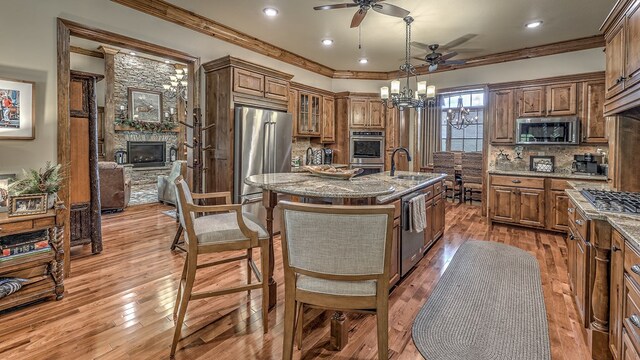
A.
pixel 488 304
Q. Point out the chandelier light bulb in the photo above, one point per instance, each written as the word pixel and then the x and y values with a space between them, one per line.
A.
pixel 395 87
pixel 384 93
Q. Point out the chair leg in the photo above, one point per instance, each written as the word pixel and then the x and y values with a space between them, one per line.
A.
pixel 264 262
pixel 184 302
pixel 176 239
pixel 183 276
pixel 249 270
pixel 382 315
pixel 289 319
pixel 299 324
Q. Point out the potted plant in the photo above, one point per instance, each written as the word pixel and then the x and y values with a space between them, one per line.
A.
pixel 45 180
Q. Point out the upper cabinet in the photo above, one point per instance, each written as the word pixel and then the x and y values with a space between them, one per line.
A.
pixel 594 123
pixel 309 108
pixel 502 119
pixel 622 35
pixel 328 120
pixel 366 113
pixel 313 113
pixel 552 100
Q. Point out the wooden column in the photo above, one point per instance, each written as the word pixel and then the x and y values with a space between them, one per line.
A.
pixel 109 102
pixel 270 200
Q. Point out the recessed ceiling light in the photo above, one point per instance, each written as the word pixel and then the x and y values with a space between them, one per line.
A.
pixel 363 61
pixel 270 11
pixel 132 53
pixel 533 25
pixel 327 42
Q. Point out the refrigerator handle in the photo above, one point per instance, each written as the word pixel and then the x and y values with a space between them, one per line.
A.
pixel 275 147
pixel 265 146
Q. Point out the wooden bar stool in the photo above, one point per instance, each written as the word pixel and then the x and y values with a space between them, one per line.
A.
pixel 226 230
pixel 336 258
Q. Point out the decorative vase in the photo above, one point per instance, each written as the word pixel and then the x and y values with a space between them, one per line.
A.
pixel 51 200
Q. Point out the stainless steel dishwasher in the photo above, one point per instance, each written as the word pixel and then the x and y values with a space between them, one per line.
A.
pixel 410 242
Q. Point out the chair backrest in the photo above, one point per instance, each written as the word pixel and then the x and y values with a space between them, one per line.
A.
pixel 337 242
pixel 183 198
pixel 444 162
pixel 472 167
pixel 178 168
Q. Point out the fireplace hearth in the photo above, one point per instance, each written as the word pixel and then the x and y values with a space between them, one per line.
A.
pixel 146 153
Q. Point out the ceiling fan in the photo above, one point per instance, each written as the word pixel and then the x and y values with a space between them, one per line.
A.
pixel 365 6
pixel 436 58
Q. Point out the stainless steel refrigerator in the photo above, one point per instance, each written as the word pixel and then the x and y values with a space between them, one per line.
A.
pixel 262 146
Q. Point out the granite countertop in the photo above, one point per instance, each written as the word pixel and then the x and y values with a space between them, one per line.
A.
pixel 563 175
pixel 381 186
pixel 299 169
pixel 627 224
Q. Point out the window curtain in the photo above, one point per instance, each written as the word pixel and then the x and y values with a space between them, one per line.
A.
pixel 431 131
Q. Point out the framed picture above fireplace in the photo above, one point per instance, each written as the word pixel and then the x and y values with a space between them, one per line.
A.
pixel 145 105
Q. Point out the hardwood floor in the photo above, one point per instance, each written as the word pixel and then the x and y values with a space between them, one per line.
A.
pixel 118 304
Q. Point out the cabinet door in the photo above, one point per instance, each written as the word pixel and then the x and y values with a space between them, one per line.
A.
pixel 429 230
pixel 632 44
pixel 304 113
pixel 315 118
pixel 531 207
pixel 531 101
pixel 375 115
pixel 438 217
pixel 615 55
pixel 503 203
pixel 394 268
pixel 571 259
pixel 392 127
pixel 502 117
pixel 594 123
pixel 358 118
pixel 559 210
pixel 293 109
pixel 248 82
pixel 276 89
pixel 328 120
pixel 561 99
pixel 616 293
pixel 580 291
pixel 628 350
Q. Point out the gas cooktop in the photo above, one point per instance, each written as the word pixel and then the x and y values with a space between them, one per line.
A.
pixel 625 202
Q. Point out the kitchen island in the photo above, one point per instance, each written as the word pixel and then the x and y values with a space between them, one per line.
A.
pixel 372 189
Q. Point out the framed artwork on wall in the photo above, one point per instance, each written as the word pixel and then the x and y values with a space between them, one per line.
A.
pixel 17 110
pixel 145 105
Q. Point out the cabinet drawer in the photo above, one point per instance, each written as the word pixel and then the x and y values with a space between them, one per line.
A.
pixel 632 264
pixel 437 188
pixel 428 192
pixel 557 184
pixel 631 311
pixel 518 181
pixel 16 226
pixel 579 222
pixel 628 349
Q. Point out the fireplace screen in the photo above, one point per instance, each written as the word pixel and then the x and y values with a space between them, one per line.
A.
pixel 146 153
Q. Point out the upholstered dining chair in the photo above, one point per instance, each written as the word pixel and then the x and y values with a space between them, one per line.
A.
pixel 337 258
pixel 226 229
pixel 471 175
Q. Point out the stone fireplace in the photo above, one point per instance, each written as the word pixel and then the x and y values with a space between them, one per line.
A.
pixel 146 153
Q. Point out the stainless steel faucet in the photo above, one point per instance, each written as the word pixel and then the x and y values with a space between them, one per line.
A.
pixel 393 156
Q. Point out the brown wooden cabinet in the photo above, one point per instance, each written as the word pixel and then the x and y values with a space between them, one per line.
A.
pixel 632 60
pixel 628 349
pixel 571 259
pixel 614 70
pixel 559 204
pixel 248 82
pixel 276 89
pixel 309 112
pixel 616 294
pixel 531 101
pixel 366 113
pixel 292 109
pixel 517 200
pixel 581 286
pixel 531 207
pixel 501 117
pixel 328 120
pixel 358 118
pixel 438 216
pixel 594 123
pixel 394 268
pixel 503 202
pixel 561 99
pixel 375 114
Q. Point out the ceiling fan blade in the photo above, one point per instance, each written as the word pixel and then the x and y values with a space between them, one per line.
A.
pixel 467 51
pixel 358 17
pixel 390 10
pixel 454 62
pixel 457 42
pixel 335 6
pixel 420 45
pixel 448 56
pixel 433 67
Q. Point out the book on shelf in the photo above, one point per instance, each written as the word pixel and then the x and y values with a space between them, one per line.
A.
pixel 23 248
pixel 25 254
pixel 20 239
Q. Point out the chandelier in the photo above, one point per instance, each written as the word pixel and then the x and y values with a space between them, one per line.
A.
pixel 178 83
pixel 459 118
pixel 407 98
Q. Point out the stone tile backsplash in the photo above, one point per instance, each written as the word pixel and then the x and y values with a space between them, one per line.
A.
pixel 563 155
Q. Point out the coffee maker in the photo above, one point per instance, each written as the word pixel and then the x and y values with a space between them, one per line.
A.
pixel 328 156
pixel 587 164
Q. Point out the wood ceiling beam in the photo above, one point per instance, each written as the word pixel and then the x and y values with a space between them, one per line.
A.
pixel 183 17
pixel 86 52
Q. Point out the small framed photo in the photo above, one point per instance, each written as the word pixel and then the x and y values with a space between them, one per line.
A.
pixel 145 105
pixel 17 110
pixel 5 180
pixel 30 204
pixel 542 163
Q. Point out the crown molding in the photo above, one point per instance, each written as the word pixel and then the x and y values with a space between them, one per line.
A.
pixel 188 19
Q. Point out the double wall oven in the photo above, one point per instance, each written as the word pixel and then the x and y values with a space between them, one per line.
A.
pixel 366 151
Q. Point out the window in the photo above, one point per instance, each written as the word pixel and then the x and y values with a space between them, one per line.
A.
pixel 468 139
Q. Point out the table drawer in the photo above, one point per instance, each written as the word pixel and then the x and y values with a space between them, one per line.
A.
pixel 631 310
pixel 16 226
pixel 437 187
pixel 518 181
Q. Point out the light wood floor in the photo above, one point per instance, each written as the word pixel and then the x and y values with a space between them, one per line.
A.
pixel 118 304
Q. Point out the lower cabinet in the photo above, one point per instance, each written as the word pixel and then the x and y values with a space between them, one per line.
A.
pixel 394 272
pixel 437 217
pixel 503 204
pixel 531 207
pixel 559 204
pixel 581 286
pixel 628 351
pixel 517 205
pixel 616 294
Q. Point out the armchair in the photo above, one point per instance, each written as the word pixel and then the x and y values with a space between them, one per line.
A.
pixel 166 186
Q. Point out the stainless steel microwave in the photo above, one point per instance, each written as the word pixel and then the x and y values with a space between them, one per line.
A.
pixel 548 131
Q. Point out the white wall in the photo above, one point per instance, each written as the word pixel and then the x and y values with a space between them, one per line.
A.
pixel 33 57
